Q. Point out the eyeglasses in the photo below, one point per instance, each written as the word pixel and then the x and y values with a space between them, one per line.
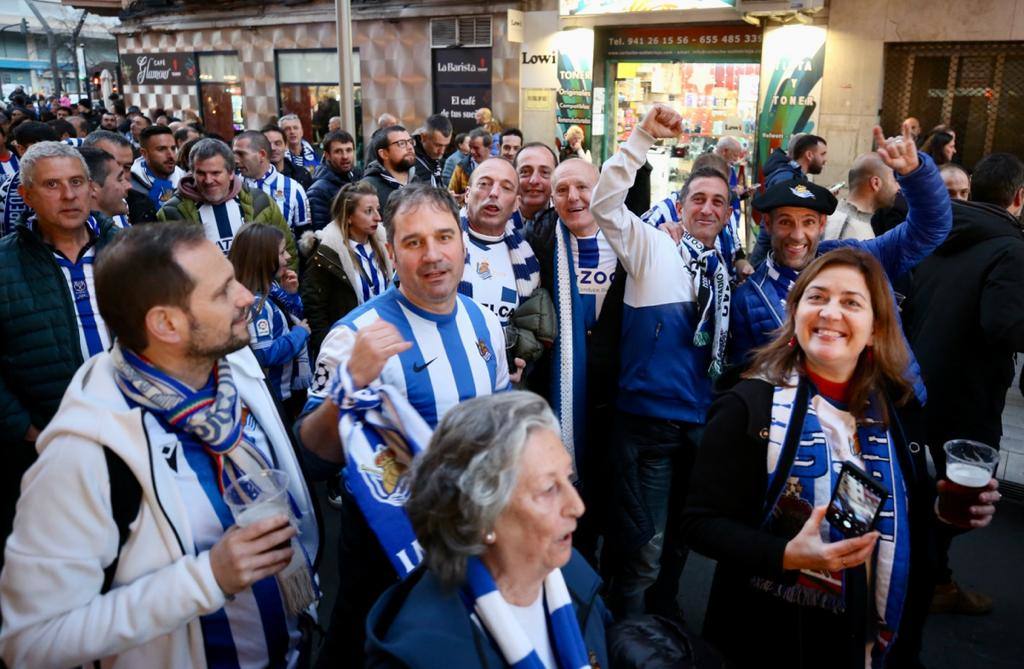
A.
pixel 401 143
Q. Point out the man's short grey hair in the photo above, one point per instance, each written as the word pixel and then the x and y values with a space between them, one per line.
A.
pixel 289 117
pixel 257 140
pixel 480 133
pixel 42 151
pixel 728 142
pixel 466 478
pixel 209 147
pixel 116 138
pixel 415 196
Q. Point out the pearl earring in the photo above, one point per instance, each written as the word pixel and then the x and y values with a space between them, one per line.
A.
pixel 490 538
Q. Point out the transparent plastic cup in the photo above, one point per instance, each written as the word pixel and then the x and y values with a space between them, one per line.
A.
pixel 257 496
pixel 969 468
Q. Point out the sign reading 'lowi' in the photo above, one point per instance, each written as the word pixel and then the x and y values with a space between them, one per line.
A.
pixel 149 69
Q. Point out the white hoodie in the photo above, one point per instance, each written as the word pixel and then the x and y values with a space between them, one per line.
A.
pixel 64 535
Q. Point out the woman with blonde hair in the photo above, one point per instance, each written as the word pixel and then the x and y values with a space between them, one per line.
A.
pixel 350 263
pixel 573 147
pixel 791 587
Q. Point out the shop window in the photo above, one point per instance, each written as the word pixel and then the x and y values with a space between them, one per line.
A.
pixel 975 87
pixel 715 99
pixel 220 93
pixel 307 86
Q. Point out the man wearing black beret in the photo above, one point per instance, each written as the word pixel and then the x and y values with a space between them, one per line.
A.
pixel 797 211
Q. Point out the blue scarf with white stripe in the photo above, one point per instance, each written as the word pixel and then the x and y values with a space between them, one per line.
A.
pixel 381 434
pixel 524 263
pixel 481 596
pixel 14 204
pixel 307 159
pixel 810 476
pixel 569 357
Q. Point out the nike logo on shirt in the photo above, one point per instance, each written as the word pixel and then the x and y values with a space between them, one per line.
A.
pixel 416 367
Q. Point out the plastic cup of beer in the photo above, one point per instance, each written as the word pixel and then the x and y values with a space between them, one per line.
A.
pixel 969 468
pixel 254 497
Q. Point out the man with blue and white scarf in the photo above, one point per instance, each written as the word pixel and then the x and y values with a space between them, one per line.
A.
pixel 421 341
pixel 579 375
pixel 174 411
pixel 674 330
pixel 501 269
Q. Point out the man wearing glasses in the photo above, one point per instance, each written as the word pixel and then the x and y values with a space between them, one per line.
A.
pixel 395 158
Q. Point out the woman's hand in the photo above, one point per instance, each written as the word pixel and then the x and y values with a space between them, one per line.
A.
pixel 289 281
pixel 807 551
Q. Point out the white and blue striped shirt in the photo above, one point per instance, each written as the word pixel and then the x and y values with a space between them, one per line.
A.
pixel 594 261
pixel 290 197
pixel 252 629
pixel 454 356
pixel 221 222
pixel 9 166
pixel 372 281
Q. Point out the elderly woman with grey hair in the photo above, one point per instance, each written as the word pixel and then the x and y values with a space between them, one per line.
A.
pixel 494 509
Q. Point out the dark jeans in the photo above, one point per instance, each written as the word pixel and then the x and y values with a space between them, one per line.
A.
pixel 654 458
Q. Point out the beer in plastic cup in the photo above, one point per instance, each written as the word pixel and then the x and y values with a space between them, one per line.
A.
pixel 254 497
pixel 969 468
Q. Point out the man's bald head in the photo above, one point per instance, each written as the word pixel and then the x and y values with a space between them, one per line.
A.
pixel 571 187
pixel 871 179
pixel 730 149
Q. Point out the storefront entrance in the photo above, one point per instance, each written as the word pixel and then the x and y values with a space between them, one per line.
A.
pixel 715 99
pixel 710 74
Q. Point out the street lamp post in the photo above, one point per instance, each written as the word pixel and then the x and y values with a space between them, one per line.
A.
pixel 346 82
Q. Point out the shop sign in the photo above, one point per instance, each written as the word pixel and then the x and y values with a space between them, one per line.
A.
pixel 596 7
pixel 791 73
pixel 151 69
pixel 463 66
pixel 538 59
pixel 514 26
pixel 575 81
pixel 742 43
pixel 462 84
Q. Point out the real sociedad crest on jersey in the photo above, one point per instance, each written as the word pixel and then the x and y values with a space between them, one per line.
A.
pixel 385 477
pixel 81 290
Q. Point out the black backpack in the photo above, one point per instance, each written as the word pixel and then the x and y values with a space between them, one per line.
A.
pixel 125 501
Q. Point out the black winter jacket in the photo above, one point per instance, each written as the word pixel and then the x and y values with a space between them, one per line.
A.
pixel 327 295
pixel 964 318
pixel 722 520
pixel 381 179
pixel 41 349
pixel 326 184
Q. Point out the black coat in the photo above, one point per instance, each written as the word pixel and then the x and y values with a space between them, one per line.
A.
pixel 964 319
pixel 300 174
pixel 326 184
pixel 722 520
pixel 327 295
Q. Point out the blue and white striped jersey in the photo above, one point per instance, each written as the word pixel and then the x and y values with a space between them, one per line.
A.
pixel 280 349
pixel 252 629
pixel 290 197
pixel 221 222
pixel 594 261
pixel 372 281
pixel 10 165
pixel 454 357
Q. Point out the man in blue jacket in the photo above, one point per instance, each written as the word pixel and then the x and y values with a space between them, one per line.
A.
pixel 674 329
pixel 797 212
pixel 337 169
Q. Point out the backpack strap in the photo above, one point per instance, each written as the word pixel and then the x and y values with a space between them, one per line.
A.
pixel 125 501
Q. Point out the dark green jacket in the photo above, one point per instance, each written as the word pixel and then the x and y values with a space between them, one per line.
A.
pixel 39 345
pixel 257 207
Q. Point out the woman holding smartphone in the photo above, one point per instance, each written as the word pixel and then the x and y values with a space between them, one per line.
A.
pixel 791 588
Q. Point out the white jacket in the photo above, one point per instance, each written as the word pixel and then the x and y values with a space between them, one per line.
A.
pixel 64 535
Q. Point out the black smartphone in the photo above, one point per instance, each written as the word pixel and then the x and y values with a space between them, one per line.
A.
pixel 856 502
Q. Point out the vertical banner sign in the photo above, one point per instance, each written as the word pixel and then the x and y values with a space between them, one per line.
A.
pixel 462 84
pixel 791 71
pixel 575 82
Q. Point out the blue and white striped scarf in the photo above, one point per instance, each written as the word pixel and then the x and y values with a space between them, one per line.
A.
pixel 307 160
pixel 569 357
pixel 711 291
pixel 486 605
pixel 811 473
pixel 524 263
pixel 381 434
